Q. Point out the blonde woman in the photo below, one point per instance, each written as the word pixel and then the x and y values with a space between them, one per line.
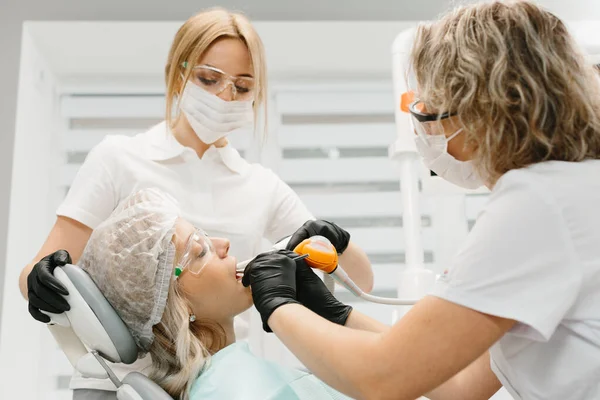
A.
pixel 216 82
pixel 505 98
pixel 168 280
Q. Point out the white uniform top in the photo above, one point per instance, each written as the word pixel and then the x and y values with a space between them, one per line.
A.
pixel 220 193
pixel 534 256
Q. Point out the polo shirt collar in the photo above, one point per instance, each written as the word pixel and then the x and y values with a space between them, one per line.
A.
pixel 162 146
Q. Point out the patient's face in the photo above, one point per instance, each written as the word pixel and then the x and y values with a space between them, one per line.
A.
pixel 214 292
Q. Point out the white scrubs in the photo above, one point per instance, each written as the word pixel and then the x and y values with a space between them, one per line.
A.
pixel 534 256
pixel 220 193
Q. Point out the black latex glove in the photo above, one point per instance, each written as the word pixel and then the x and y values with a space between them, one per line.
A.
pixel 338 237
pixel 314 295
pixel 45 292
pixel 272 279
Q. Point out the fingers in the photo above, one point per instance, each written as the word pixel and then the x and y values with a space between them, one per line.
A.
pixel 304 272
pixel 331 231
pixel 271 261
pixel 47 279
pixel 249 268
pixel 61 257
pixel 297 238
pixel 53 306
pixel 246 277
pixel 38 315
pixel 45 291
pixel 287 253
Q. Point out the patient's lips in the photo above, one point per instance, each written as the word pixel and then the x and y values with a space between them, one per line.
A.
pixel 240 268
pixel 237 272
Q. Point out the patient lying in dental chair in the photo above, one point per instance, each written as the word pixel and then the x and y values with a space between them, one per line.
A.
pixel 177 291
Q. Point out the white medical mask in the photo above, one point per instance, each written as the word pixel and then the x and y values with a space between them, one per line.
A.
pixel 434 150
pixel 211 117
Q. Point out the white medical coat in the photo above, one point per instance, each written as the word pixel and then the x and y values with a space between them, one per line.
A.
pixel 534 256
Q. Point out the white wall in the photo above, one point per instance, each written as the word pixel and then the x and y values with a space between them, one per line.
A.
pixel 31 215
pixel 80 52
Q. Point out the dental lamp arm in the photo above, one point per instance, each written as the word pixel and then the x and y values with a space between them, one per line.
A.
pixel 409 360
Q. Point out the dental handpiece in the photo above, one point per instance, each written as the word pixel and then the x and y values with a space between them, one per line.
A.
pixel 241 267
pixel 343 279
pixel 322 255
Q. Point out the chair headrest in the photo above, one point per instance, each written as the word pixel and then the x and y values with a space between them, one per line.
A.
pixel 111 337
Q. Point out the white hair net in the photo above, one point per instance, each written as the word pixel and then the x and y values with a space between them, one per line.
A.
pixel 130 257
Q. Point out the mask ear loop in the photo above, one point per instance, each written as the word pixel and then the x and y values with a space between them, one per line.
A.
pixel 455 134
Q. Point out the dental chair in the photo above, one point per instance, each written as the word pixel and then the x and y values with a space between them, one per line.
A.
pixel 92 332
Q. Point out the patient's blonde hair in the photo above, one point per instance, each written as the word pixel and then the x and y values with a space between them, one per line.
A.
pixel 181 348
pixel 195 36
pixel 521 87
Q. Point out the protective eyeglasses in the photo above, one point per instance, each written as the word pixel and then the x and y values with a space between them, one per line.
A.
pixel 215 81
pixel 198 252
pixel 425 122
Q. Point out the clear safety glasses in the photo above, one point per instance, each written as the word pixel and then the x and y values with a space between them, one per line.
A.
pixel 425 122
pixel 198 252
pixel 215 81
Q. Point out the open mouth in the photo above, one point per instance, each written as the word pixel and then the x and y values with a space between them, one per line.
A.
pixel 239 274
pixel 240 268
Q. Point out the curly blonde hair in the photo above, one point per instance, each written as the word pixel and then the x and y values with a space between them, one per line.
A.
pixel 520 86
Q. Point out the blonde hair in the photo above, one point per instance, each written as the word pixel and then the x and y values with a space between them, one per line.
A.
pixel 519 84
pixel 195 36
pixel 181 349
